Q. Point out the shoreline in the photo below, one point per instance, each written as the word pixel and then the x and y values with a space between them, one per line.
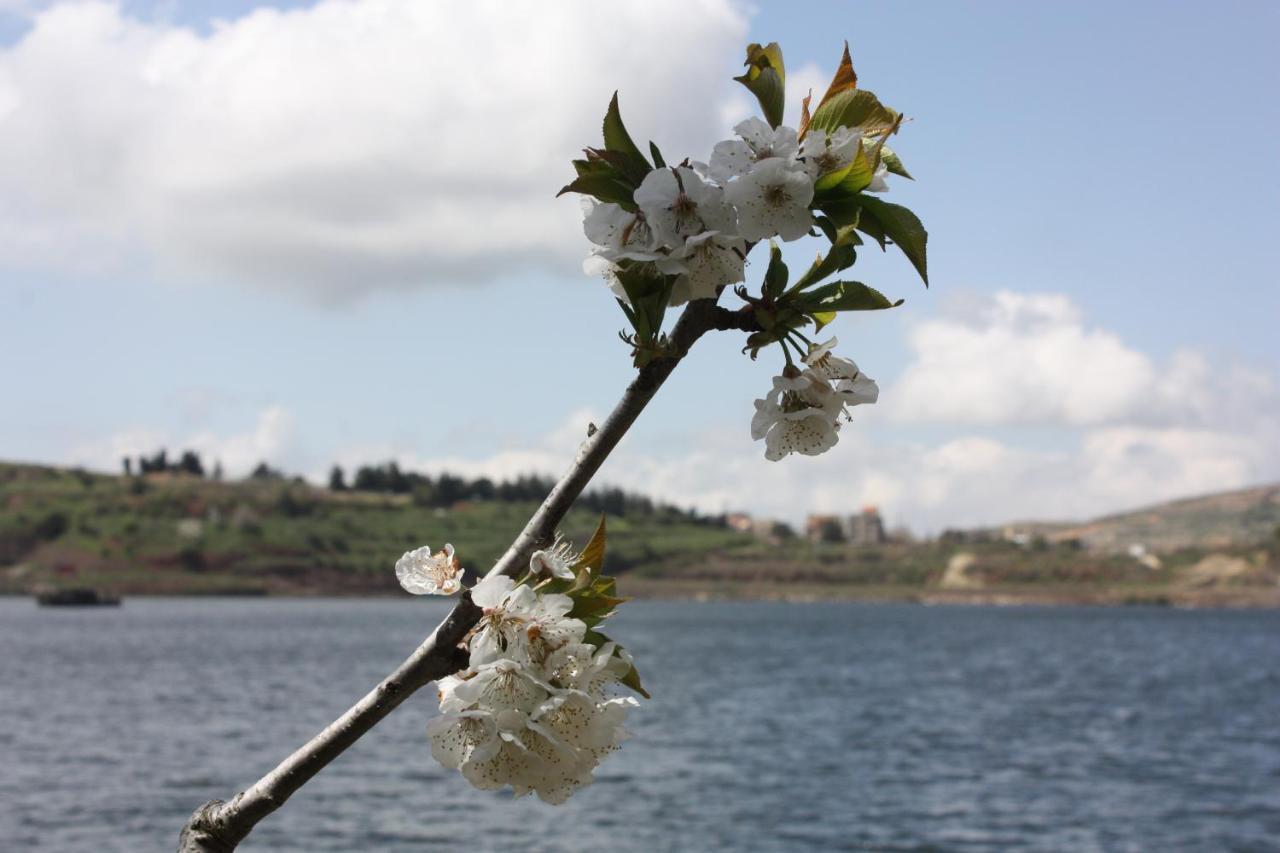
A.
pixel 656 589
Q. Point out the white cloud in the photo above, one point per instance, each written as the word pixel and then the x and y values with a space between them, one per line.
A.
pixel 966 480
pixel 343 146
pixel 273 438
pixel 1102 427
pixel 1019 358
pixel 1083 465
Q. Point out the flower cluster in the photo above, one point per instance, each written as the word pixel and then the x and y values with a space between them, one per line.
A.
pixel 665 234
pixel 698 221
pixel 534 708
pixel 802 412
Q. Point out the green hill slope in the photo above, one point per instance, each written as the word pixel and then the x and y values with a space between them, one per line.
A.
pixel 1223 520
pixel 171 533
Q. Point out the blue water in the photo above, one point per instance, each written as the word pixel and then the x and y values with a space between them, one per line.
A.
pixel 773 727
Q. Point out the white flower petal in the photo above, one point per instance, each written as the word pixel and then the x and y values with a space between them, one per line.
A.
pixel 861 389
pixel 421 572
pixel 678 204
pixel 492 590
pixel 457 738
pixel 772 200
pixel 811 435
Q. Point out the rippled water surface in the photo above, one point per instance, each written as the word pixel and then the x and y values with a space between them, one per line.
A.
pixel 773 727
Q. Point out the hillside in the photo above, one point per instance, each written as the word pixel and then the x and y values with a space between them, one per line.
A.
pixel 1223 520
pixel 173 533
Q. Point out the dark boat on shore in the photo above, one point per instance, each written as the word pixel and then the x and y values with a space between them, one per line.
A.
pixel 76 597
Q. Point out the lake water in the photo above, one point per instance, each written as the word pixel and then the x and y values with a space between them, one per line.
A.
pixel 773 727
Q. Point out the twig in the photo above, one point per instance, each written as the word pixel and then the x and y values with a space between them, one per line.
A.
pixel 217 826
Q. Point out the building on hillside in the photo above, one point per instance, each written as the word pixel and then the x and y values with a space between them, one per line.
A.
pixel 765 529
pixel 865 528
pixel 772 531
pixel 824 528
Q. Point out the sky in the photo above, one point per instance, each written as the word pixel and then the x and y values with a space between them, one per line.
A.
pixel 320 233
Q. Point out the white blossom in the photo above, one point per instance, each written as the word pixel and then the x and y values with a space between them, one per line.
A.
pixel 526 757
pixel 878 183
pixel 586 668
pixel 556 561
pixel 619 234
pixel 499 685
pixel 679 204
pixel 711 260
pixel 582 732
pixel 734 157
pixel 824 153
pixel 851 385
pixel 772 200
pixel 460 737
pixel 423 573
pixel 825 363
pixel 520 624
pixel 799 415
pixel 861 389
pixel 533 710
pixel 808 431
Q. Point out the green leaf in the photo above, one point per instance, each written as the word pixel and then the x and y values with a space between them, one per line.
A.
pixel 591 560
pixel 658 162
pixel 833 231
pixel 775 277
pixel 841 256
pixel 599 178
pixel 847 181
pixel 591 607
pixel 883 222
pixel 845 79
pixel 618 141
pixel 821 319
pixel 645 291
pixel 854 108
pixel 626 309
pixel 624 164
pixel 649 293
pixel 901 226
pixel 893 163
pixel 846 296
pixel 632 680
pixel 871 226
pixel 766 79
pixel 605 189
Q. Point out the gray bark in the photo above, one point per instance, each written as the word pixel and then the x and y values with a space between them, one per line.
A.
pixel 218 826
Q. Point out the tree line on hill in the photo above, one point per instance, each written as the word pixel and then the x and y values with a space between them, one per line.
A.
pixel 188 462
pixel 449 489
pixel 443 491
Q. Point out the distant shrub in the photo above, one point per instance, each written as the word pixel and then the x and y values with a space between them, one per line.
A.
pixel 192 558
pixel 291 505
pixel 52 526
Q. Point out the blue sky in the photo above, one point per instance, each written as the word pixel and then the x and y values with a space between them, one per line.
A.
pixel 331 235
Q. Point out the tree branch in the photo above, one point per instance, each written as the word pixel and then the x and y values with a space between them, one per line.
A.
pixel 218 827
